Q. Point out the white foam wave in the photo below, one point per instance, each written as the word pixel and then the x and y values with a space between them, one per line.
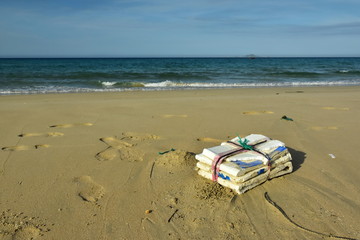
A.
pixel 166 83
pixel 108 84
pixel 170 85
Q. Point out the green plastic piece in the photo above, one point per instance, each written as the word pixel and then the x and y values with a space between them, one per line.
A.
pixel 287 118
pixel 171 150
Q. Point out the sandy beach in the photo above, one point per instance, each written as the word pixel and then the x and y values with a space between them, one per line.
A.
pixel 87 166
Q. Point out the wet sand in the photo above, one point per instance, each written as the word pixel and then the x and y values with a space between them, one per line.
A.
pixel 87 166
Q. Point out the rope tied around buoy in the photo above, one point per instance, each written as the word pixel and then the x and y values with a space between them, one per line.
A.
pixel 244 144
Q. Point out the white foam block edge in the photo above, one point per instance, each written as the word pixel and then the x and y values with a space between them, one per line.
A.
pixel 243 187
pixel 238 188
pixel 239 179
pixel 234 170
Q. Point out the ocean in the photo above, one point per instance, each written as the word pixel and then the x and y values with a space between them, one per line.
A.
pixel 65 75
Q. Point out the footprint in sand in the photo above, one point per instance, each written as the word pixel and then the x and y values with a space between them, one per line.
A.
pixel 175 116
pixel 24 147
pixel 257 112
pixel 119 148
pixel 139 137
pixel 71 125
pixel 48 134
pixel 115 143
pixel 38 146
pixel 319 128
pixel 108 154
pixel 211 140
pixel 334 108
pixel 89 190
pixel 17 148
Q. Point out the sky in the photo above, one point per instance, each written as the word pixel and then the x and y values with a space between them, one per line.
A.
pixel 179 28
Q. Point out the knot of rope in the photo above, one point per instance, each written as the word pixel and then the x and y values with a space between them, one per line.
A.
pixel 244 145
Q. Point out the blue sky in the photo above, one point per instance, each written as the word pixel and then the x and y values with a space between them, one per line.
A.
pixel 123 28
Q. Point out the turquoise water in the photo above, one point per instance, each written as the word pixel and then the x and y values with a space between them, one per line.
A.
pixel 28 76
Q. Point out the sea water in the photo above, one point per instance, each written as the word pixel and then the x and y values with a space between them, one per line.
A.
pixel 62 75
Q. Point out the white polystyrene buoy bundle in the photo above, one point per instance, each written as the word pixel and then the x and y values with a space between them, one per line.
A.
pixel 244 163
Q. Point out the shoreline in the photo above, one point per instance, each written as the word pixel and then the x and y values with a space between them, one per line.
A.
pixel 136 91
pixel 89 163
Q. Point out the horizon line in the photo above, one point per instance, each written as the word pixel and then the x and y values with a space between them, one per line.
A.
pixel 251 56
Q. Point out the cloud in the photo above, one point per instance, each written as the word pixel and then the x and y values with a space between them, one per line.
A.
pixel 349 28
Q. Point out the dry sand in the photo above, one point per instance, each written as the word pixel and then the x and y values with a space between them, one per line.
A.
pixel 86 166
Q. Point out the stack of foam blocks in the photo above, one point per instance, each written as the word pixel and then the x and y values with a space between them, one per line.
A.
pixel 244 163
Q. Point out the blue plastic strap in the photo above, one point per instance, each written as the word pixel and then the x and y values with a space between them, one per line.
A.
pixel 247 165
pixel 223 176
